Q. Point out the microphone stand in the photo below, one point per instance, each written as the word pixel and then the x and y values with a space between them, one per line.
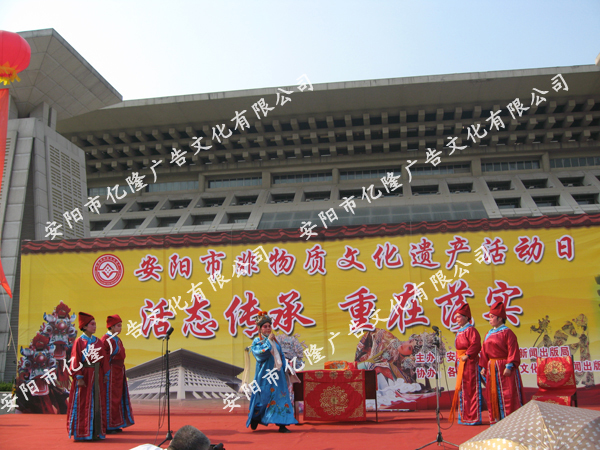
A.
pixel 167 391
pixel 439 440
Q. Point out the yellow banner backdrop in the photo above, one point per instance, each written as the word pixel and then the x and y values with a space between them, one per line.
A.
pixel 315 289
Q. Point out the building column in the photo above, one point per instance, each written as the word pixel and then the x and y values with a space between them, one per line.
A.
pixel 266 180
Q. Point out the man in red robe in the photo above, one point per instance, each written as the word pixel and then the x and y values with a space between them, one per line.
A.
pixel 86 416
pixel 499 360
pixel 467 395
pixel 120 414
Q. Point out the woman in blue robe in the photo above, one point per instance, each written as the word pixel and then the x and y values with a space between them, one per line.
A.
pixel 270 404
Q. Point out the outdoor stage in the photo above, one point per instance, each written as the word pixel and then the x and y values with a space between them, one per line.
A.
pixel 395 430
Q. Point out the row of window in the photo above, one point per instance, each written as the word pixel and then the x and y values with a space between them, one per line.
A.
pixel 554 200
pixel 345 175
pixel 556 163
pixel 240 218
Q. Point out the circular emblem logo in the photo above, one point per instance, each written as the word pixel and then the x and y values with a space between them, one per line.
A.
pixel 108 271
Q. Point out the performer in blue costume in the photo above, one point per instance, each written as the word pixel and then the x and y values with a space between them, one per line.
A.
pixel 272 403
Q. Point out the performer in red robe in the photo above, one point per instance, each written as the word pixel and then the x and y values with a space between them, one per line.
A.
pixel 500 359
pixel 120 414
pixel 86 416
pixel 467 395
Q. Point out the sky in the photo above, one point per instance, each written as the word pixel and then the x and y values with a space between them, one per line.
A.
pixel 150 49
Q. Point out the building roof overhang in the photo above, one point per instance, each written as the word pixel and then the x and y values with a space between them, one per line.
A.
pixel 59 76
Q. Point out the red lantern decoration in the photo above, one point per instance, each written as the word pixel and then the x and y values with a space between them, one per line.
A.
pixel 15 54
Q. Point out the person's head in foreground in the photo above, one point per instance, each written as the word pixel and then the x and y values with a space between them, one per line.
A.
pixel 497 316
pixel 189 438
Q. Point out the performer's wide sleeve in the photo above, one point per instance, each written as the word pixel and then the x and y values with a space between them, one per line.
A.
pixel 514 355
pixel 483 358
pixel 261 349
pixel 474 342
pixel 76 356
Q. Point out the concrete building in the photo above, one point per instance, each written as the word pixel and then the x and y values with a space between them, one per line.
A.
pixel 192 377
pixel 326 144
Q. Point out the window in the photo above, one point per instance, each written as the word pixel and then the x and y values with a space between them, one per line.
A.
pixel 132 224
pixel 424 190
pixel 546 201
pixel 282 198
pixel 99 225
pixel 303 178
pixel 238 218
pixel 177 204
pixel 173 186
pixel 586 199
pixel 167 221
pixel 557 163
pixel 211 202
pixel 508 203
pixel 235 182
pixel 535 184
pixel 463 188
pixel 373 173
pixel 146 206
pixel 92 192
pixel 115 208
pixel 247 200
pixel 203 220
pixel 357 193
pixel 440 169
pixel 510 165
pixel 499 185
pixel 572 182
pixel 316 196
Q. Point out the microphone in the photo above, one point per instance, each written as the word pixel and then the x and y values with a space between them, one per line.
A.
pixel 436 329
pixel 170 332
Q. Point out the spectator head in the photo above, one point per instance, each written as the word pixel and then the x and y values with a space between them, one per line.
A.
pixel 189 438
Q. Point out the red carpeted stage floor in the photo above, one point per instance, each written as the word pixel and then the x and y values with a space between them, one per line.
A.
pixel 395 430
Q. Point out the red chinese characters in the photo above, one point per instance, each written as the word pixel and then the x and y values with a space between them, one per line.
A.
pixel 388 255
pixel 457 245
pixel 249 261
pixel 360 304
pixel 156 318
pixel 315 260
pixel 565 247
pixel 505 293
pixel 180 266
pixel 407 312
pixel 213 263
pixel 199 322
pixel 529 249
pixel 349 260
pixel 284 318
pixel 242 314
pixel 496 249
pixel 149 269
pixel 450 302
pixel 421 254
pixel 281 261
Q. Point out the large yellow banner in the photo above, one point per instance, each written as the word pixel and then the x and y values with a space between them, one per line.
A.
pixel 342 299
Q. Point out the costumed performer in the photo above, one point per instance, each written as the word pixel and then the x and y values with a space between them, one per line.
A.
pixel 499 360
pixel 120 414
pixel 271 404
pixel 89 367
pixel 467 394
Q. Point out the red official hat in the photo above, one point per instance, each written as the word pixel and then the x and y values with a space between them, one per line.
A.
pixel 84 319
pixel 112 320
pixel 498 310
pixel 465 311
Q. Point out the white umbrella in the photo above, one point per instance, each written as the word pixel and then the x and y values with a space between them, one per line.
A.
pixel 540 425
